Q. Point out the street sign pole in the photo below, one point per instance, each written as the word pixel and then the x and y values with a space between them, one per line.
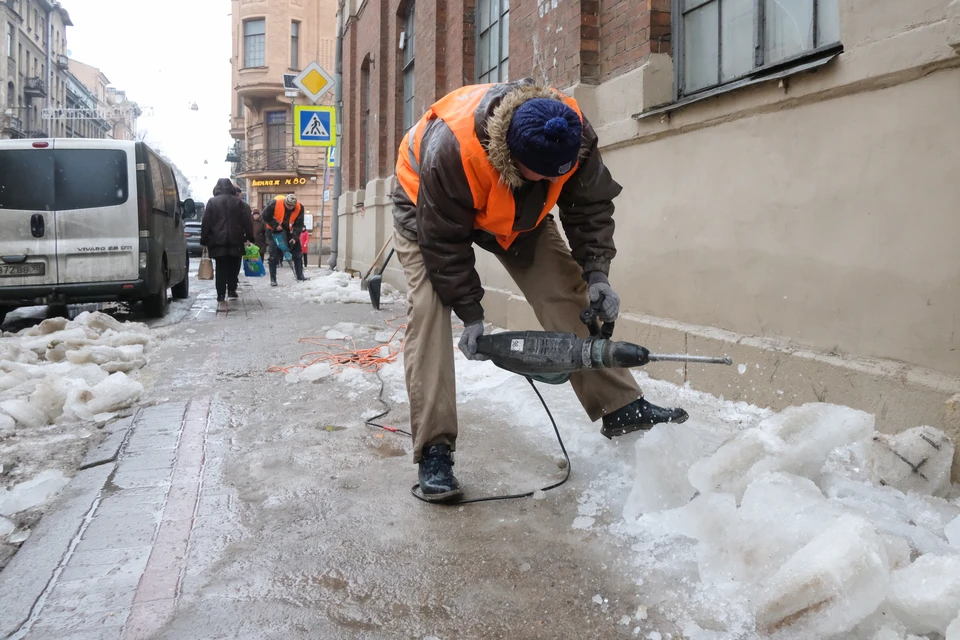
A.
pixel 323 211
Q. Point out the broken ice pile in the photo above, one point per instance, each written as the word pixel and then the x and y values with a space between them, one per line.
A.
pixel 812 522
pixel 65 371
pixel 339 287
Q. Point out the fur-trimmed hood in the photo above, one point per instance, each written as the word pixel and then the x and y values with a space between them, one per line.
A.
pixel 499 122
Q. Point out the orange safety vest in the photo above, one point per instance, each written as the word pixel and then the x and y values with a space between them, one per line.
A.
pixel 280 210
pixel 493 200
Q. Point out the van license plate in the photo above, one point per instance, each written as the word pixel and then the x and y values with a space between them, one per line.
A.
pixel 21 270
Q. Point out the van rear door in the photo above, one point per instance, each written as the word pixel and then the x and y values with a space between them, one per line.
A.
pixel 28 240
pixel 98 233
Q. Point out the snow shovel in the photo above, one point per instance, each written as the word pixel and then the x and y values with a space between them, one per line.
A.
pixel 373 265
pixel 374 284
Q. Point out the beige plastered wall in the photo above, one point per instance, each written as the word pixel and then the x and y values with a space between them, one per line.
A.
pixel 809 228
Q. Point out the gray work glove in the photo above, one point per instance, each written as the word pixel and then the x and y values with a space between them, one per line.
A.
pixel 468 341
pixel 600 291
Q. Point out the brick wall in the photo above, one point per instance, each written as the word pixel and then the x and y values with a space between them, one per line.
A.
pixel 559 42
pixel 629 31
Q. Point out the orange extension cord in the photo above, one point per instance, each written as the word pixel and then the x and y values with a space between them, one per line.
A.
pixel 340 357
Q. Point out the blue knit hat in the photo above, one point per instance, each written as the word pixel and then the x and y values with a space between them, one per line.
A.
pixel 544 136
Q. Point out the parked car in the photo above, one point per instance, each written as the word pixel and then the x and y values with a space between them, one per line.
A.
pixel 191 231
pixel 85 220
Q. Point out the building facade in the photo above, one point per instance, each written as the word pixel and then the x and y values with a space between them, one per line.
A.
pixel 33 66
pixel 272 38
pixel 787 170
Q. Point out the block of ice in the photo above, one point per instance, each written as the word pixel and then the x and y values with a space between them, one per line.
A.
pixel 917 459
pixel 113 394
pixel 926 595
pixel 664 456
pixel 830 585
pixel 6 527
pixel 952 532
pixel 798 440
pixel 24 413
pixel 31 493
pixel 953 630
pixel 333 334
pixel 316 371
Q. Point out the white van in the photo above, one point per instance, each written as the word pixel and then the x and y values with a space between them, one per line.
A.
pixel 85 220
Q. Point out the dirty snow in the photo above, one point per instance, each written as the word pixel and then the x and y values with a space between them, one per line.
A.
pixel 745 523
pixel 59 381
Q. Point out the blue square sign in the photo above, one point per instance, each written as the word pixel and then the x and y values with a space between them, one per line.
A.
pixel 314 126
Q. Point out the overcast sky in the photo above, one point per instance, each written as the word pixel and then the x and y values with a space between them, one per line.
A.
pixel 166 55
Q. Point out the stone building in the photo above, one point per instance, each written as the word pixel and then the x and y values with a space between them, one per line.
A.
pixel 789 195
pixel 33 66
pixel 272 38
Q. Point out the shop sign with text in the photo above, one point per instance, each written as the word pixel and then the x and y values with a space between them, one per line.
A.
pixel 279 182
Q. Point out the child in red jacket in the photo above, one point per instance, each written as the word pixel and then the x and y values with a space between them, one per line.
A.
pixel 304 241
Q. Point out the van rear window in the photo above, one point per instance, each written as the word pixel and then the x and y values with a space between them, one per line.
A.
pixel 62 179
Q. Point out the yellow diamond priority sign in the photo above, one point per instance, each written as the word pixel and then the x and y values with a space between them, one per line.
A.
pixel 313 81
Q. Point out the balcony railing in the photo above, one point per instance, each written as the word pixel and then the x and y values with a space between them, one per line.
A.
pixel 267 160
pixel 62 61
pixel 35 87
pixel 12 125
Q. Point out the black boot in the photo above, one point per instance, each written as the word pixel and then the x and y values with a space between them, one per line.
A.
pixel 298 269
pixel 273 273
pixel 639 415
pixel 437 482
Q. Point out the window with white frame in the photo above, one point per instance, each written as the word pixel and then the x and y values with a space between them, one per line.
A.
pixel 254 43
pixel 409 51
pixel 294 45
pixel 493 41
pixel 721 41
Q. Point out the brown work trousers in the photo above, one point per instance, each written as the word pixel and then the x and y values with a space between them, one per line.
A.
pixel 555 289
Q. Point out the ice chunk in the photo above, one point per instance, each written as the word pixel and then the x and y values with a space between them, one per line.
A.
pixel 292 378
pixel 664 457
pixel 930 512
pixel 31 493
pixel 797 440
pixel 7 424
pixel 333 334
pixel 384 336
pixel 953 630
pixel 830 585
pixel 952 532
pixel 918 459
pixel 19 536
pixel 113 394
pixel 6 527
pixel 316 371
pixel 926 595
pixel 24 413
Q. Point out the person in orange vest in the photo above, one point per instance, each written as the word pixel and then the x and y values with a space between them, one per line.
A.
pixel 485 166
pixel 284 219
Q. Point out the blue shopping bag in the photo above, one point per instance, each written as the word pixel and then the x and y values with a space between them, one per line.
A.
pixel 253 268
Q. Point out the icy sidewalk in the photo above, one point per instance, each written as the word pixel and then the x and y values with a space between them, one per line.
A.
pixel 59 381
pixel 744 523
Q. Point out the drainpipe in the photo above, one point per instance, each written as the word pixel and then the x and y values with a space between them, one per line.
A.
pixel 49 79
pixel 337 176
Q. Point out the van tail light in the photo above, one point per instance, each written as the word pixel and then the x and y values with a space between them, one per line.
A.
pixel 41 145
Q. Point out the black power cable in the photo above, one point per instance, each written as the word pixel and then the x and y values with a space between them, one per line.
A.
pixel 514 496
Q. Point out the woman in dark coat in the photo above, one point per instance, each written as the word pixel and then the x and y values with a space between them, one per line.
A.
pixel 226 228
pixel 260 233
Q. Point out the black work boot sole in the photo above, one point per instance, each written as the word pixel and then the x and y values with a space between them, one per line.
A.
pixel 679 417
pixel 446 496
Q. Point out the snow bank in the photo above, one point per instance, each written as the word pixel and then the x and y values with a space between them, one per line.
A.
pixel 810 525
pixel 64 371
pixel 339 287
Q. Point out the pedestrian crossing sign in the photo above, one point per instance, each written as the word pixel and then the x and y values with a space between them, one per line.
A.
pixel 314 126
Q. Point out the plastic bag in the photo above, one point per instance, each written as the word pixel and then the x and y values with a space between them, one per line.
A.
pixel 253 268
pixel 252 252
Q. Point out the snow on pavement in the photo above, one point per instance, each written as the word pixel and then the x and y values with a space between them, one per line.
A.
pixel 329 287
pixel 59 381
pixel 745 523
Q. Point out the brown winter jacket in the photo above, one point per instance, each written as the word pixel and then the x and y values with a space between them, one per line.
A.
pixel 227 222
pixel 442 221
